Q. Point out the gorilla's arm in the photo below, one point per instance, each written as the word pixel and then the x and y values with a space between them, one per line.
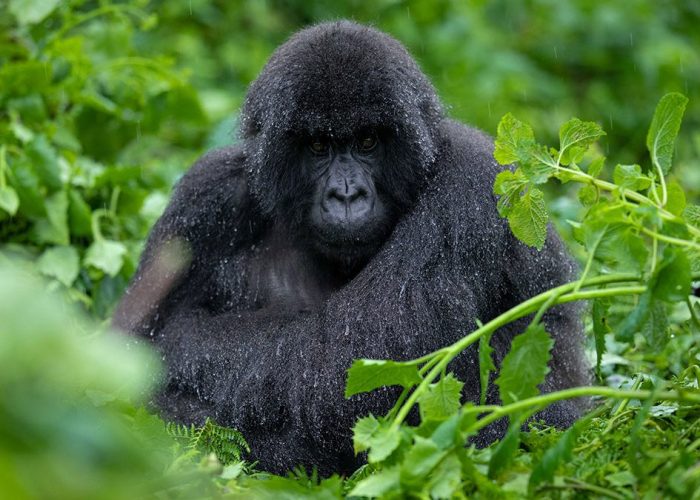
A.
pixel 208 219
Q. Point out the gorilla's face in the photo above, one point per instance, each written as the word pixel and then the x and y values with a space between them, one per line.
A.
pixel 347 216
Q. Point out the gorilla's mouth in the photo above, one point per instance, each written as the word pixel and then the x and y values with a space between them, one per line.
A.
pixel 348 241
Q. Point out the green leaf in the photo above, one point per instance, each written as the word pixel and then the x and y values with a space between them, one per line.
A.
pixel 539 165
pixel 676 197
pixel 509 185
pixel 54 228
pixel 634 321
pixel 505 450
pixel 79 214
pixel 368 374
pixel 106 255
pixel 62 263
pixel 377 484
pixel 486 365
pixel 32 11
pixel 631 177
pixel 44 160
pixel 596 166
pixel 442 399
pixel 9 201
pixel 575 137
pixel 664 129
pixel 560 453
pixel 588 195
pixel 691 214
pixel 363 431
pixel 525 365
pixel 31 195
pixel 446 478
pixel 377 437
pixel 513 140
pixel 528 218
pixel 655 328
pixel 419 461
pixel 671 282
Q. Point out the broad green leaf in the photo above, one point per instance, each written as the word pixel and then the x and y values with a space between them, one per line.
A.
pixel 448 432
pixel 79 214
pixel 106 255
pixel 691 214
pixel 655 328
pixel 442 399
pixel 513 140
pixel 664 129
pixel 62 263
pixel 596 166
pixel 631 177
pixel 575 137
pixel 419 461
pixel 508 185
pixel 54 228
pixel 676 197
pixel 377 437
pixel 29 191
pixel 363 431
pixel 486 365
pixel 634 321
pixel 528 218
pixel 560 453
pixel 446 478
pixel 505 450
pixel 377 484
pixel 44 160
pixel 9 201
pixel 671 282
pixel 525 365
pixel 368 374
pixel 588 195
pixel 539 165
pixel 32 11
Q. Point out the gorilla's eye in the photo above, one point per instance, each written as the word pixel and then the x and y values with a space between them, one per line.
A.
pixel 367 143
pixel 318 146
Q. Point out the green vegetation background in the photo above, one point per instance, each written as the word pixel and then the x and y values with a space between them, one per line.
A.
pixel 104 104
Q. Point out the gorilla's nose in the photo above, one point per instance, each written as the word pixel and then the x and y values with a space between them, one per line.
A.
pixel 347 200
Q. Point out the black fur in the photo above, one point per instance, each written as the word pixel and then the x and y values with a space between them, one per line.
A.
pixel 258 332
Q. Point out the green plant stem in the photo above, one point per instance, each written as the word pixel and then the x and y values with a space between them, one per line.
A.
pixel 693 314
pixel 670 239
pixel 524 308
pixel 633 195
pixel 577 392
pixel 3 165
pixel 575 484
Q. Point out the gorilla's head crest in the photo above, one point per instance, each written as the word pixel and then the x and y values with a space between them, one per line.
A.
pixel 335 79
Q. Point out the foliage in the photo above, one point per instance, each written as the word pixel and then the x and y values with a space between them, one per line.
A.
pixel 90 132
pixel 98 118
pixel 642 246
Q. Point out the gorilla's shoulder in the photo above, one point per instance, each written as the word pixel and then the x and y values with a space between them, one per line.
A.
pixel 217 175
pixel 467 153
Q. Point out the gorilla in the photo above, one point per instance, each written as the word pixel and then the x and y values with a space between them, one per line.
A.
pixel 352 220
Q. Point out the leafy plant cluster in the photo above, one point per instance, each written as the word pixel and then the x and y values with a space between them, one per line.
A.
pixel 93 132
pixel 90 132
pixel 642 245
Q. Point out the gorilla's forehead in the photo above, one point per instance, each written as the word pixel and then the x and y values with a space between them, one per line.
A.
pixel 338 78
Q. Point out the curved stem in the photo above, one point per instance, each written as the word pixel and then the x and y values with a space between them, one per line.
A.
pixel 633 195
pixel 670 239
pixel 577 392
pixel 564 295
